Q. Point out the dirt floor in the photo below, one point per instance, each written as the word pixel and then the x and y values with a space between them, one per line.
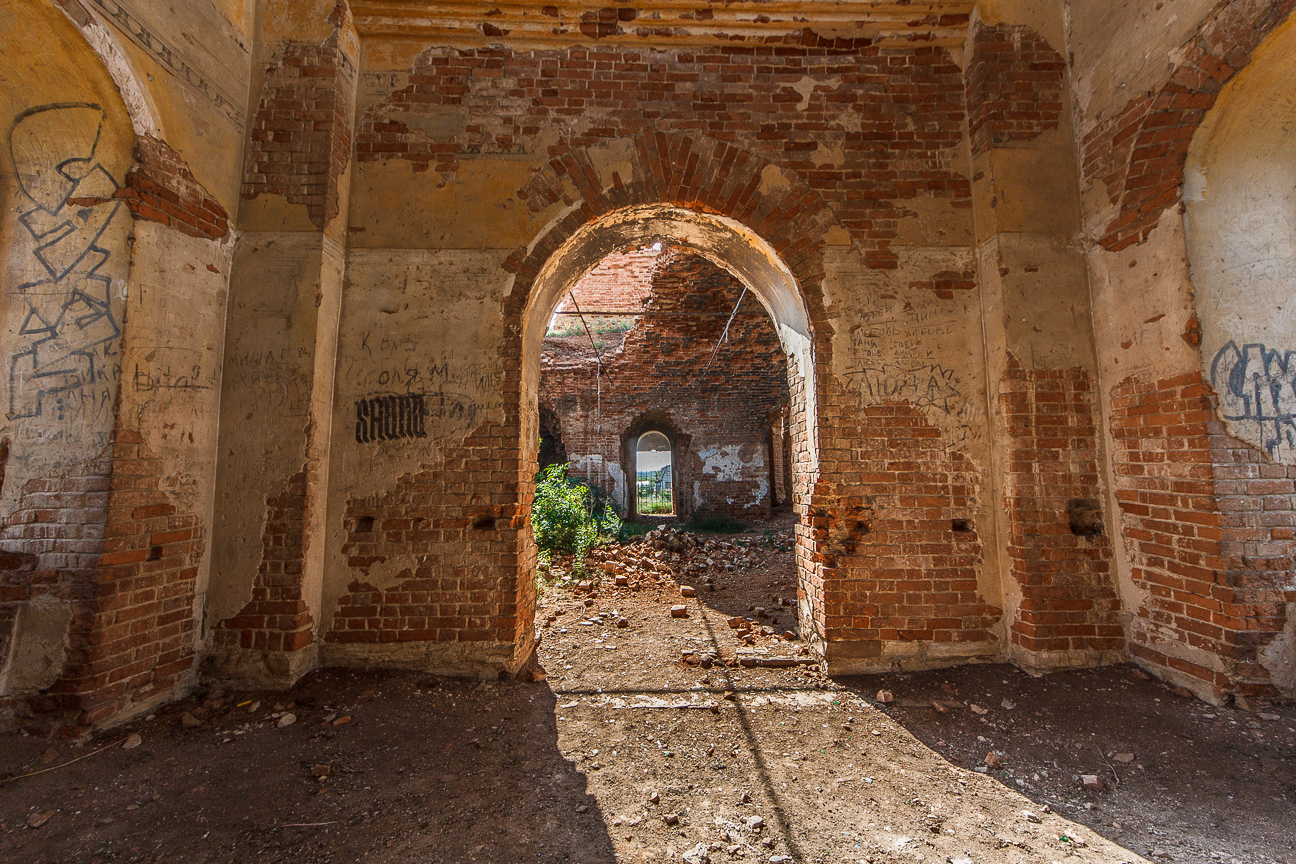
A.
pixel 633 750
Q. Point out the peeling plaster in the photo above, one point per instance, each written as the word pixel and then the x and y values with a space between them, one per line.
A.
pixel 590 465
pixel 806 87
pixel 40 636
pixel 1279 656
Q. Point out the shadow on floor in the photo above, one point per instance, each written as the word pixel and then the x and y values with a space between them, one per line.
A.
pixel 1181 780
pixel 435 771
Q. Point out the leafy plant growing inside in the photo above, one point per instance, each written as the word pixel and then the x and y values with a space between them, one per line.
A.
pixel 569 516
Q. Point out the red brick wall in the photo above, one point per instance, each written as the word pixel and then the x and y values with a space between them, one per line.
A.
pixel 276 618
pixel 161 188
pixel 881 526
pixel 1208 524
pixel 620 282
pixel 1257 507
pixel 655 380
pixel 300 141
pixel 1058 548
pixel 1014 86
pixel 113 546
pixel 1139 153
pixel 464 584
pixel 705 124
pixel 51 545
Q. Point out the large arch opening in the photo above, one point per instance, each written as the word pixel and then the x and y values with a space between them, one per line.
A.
pixel 729 246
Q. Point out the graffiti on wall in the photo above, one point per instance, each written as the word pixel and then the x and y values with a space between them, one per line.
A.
pixel 1256 386
pixel 67 329
pixel 391 418
pixel 913 351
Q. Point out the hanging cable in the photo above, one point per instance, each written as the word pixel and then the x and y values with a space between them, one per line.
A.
pixel 598 368
pixel 732 315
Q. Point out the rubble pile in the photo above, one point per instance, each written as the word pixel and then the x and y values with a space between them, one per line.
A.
pixel 669 557
pixel 671 573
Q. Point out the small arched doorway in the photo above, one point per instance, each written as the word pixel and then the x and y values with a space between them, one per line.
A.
pixel 654 475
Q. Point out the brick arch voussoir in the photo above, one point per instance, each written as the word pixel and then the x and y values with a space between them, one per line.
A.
pixel 1157 128
pixel 699 174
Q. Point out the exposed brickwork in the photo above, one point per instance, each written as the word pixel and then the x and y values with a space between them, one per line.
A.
pixel 128 573
pixel 1139 154
pixel 300 141
pixel 704 126
pixel 51 544
pixel 621 282
pixel 462 584
pixel 882 530
pixel 1257 507
pixel 944 283
pixel 1014 86
pixel 1060 559
pixel 161 188
pixel 655 380
pixel 1208 521
pixel 276 618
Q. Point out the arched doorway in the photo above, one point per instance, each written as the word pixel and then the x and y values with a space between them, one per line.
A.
pixel 729 245
pixel 654 475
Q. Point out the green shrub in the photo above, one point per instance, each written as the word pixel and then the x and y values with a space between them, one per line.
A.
pixel 569 516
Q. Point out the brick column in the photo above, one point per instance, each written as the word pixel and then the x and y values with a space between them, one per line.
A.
pixel 280 354
pixel 1052 538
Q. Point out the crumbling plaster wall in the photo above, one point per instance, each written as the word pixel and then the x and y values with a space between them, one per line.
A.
pixel 111 396
pixel 59 396
pixel 435 166
pixel 1186 490
pixel 281 342
pixel 1240 221
pixel 1041 366
pixel 980 348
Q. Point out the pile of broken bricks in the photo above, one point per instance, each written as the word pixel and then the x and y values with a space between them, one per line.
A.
pixel 665 555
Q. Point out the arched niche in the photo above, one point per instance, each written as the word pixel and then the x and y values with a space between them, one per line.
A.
pixel 654 466
pixel 1240 222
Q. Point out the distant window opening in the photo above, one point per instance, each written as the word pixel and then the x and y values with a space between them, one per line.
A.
pixel 654 476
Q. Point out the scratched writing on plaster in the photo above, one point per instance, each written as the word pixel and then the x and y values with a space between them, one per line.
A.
pixel 927 385
pixel 891 362
pixel 274 380
pixel 892 359
pixel 399 366
pixel 147 380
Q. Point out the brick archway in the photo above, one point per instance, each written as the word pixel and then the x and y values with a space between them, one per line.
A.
pixel 671 177
pixel 563 254
pixel 1140 153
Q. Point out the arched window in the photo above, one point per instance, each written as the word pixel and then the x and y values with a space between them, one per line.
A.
pixel 654 476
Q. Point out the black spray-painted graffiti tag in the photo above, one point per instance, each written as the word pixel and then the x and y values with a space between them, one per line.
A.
pixel 68 325
pixel 1258 384
pixel 390 418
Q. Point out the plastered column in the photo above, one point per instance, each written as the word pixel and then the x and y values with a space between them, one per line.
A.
pixel 1060 604
pixel 281 347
